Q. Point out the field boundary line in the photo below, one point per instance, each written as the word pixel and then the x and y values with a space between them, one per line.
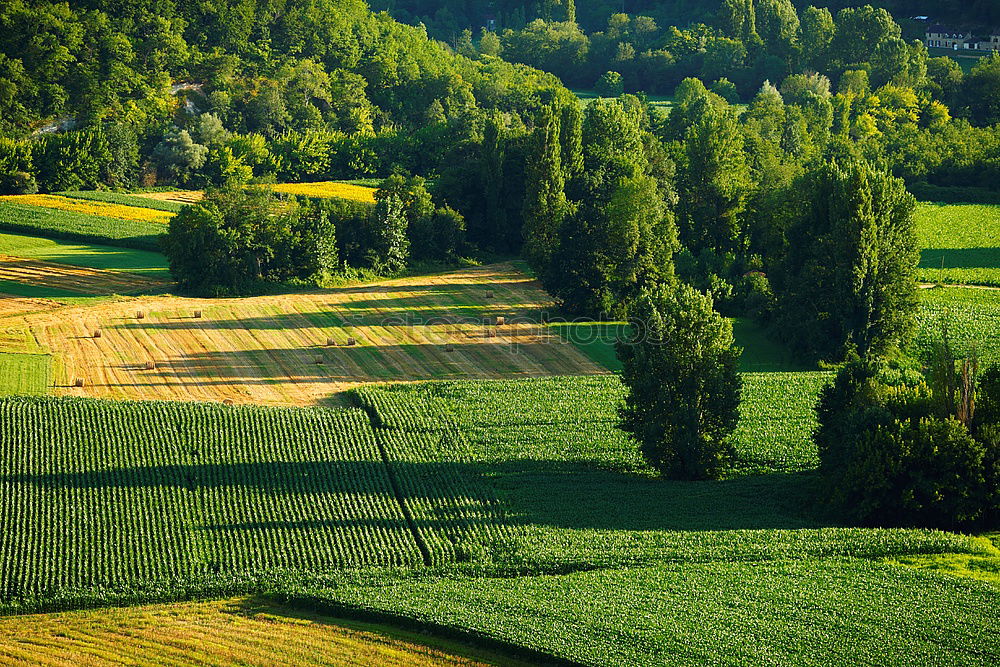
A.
pixel 411 523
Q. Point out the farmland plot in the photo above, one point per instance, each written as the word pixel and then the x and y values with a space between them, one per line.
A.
pixel 960 243
pixel 53 279
pixel 115 496
pixel 301 348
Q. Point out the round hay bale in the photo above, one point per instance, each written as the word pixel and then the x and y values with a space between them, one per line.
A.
pixel 449 348
pixel 97 333
pixel 319 361
pixel 228 401
pixel 490 294
pixel 197 314
pixel 352 341
pixel 491 333
pixel 500 320
pixel 140 315
pixel 330 342
pixel 150 366
pixel 79 382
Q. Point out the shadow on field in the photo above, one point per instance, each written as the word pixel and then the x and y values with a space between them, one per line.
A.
pixel 531 493
pixel 960 258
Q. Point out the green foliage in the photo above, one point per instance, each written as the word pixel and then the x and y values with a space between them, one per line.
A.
pixel 683 389
pixel 893 452
pixel 391 245
pixel 847 280
pixel 237 237
pixel 178 155
pixel 56 224
pixel 545 204
pixel 620 236
pixel 609 85
pixel 980 91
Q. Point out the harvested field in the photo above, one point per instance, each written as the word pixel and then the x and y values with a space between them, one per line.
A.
pixel 73 279
pixel 264 350
pixel 181 196
pixel 226 632
pixel 11 304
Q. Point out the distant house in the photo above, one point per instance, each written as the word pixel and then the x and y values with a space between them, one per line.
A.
pixel 961 39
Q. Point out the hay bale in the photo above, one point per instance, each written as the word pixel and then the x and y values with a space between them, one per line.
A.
pixel 97 333
pixel 351 341
pixel 79 382
pixel 150 366
pixel 490 294
pixel 140 315
pixel 319 361
pixel 449 348
pixel 227 401
pixel 330 342
pixel 491 333
pixel 500 320
pixel 197 314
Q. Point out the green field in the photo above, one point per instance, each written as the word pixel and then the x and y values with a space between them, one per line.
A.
pixel 94 256
pixel 70 226
pixel 780 612
pixel 960 243
pixel 25 374
pixel 662 102
pixel 124 199
pixel 972 316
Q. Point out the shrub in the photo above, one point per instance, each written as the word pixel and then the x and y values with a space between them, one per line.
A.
pixel 609 85
pixel 888 456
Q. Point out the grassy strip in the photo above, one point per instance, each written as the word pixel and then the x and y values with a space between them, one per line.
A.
pixel 961 243
pixel 52 223
pixel 971 315
pixel 94 256
pixel 25 374
pixel 124 199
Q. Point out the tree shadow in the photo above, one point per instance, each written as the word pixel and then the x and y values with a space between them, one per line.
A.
pixel 960 258
pixel 556 494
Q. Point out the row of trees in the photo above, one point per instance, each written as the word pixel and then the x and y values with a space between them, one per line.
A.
pixel 238 239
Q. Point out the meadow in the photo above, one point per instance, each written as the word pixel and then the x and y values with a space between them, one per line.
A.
pixel 960 243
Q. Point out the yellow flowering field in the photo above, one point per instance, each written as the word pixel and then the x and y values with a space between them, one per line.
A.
pixel 107 210
pixel 328 189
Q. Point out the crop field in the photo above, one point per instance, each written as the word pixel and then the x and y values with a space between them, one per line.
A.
pixel 328 190
pixel 810 612
pixel 77 226
pixel 181 197
pixel 131 200
pixel 265 350
pixel 960 243
pixel 972 317
pixel 225 632
pixel 89 207
pixel 117 495
pixel 153 265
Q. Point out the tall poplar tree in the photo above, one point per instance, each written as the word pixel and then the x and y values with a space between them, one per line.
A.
pixel 545 204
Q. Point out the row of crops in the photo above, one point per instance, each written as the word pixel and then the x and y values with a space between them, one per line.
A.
pixel 97 493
